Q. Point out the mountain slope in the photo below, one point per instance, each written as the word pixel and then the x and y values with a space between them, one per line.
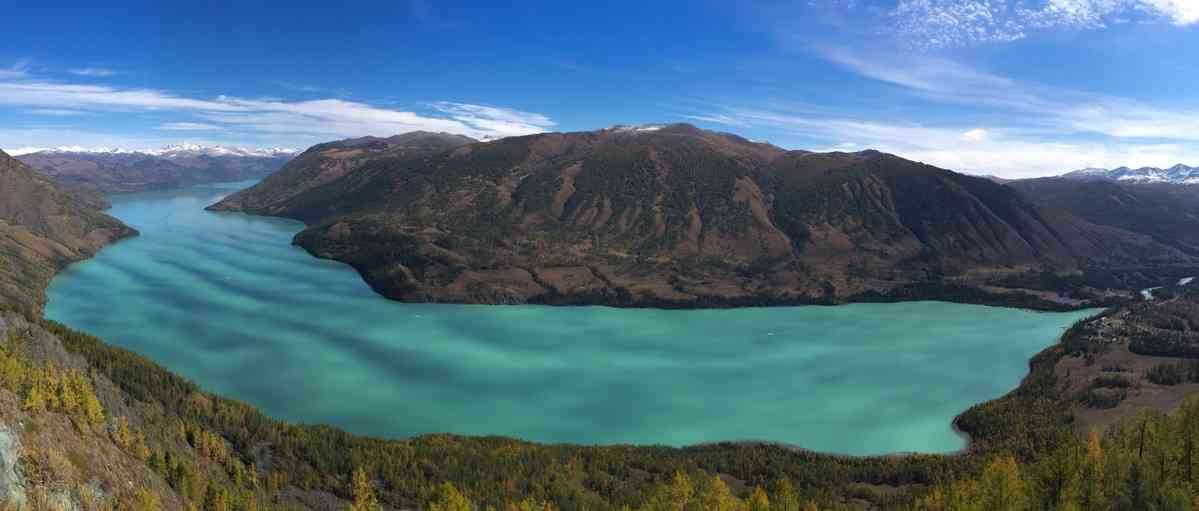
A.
pixel 1168 213
pixel 42 229
pixel 678 216
pixel 112 170
pixel 326 162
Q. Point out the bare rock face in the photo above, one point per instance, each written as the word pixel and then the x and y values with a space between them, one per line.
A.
pixel 667 216
pixel 12 489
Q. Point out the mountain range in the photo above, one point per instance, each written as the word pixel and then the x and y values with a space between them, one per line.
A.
pixel 1178 174
pixel 668 216
pixel 118 170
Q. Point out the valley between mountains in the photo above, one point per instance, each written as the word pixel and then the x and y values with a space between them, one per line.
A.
pixel 655 216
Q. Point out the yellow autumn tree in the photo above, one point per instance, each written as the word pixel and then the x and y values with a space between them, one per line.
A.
pixel 785 498
pixel 1090 495
pixel 531 504
pixel 448 498
pixel 713 495
pixel 35 401
pixel 672 496
pixel 1003 486
pixel 364 492
pixel 123 436
pixel 758 501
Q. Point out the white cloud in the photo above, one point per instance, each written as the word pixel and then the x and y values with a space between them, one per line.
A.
pixel 92 71
pixel 310 120
pixel 1181 12
pixel 935 24
pixel 975 135
pixel 188 126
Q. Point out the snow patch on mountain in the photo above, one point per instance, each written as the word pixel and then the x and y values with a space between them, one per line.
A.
pixel 171 151
pixel 1178 174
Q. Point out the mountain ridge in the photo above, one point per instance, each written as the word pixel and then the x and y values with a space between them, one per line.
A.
pixel 672 216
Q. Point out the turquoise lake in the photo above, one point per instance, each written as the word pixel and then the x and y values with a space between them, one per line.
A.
pixel 225 300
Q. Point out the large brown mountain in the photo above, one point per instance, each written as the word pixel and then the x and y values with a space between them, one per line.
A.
pixel 42 229
pixel 671 215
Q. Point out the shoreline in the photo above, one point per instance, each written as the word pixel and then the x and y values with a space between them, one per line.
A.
pixel 904 294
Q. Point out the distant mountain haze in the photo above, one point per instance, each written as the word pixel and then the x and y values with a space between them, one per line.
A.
pixel 119 170
pixel 666 215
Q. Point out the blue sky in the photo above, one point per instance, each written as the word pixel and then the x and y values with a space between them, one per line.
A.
pixel 1016 89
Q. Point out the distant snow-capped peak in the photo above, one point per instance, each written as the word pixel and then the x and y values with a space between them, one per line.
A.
pixel 196 149
pixel 170 151
pixel 1178 174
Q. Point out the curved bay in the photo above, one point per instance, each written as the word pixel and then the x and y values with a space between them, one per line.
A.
pixel 227 301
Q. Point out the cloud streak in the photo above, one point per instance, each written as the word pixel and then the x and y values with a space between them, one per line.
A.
pixel 92 71
pixel 320 118
pixel 1064 111
pixel 188 126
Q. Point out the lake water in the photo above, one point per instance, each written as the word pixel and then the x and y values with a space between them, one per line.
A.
pixel 225 300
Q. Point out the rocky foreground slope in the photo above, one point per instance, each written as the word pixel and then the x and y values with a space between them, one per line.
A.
pixel 670 216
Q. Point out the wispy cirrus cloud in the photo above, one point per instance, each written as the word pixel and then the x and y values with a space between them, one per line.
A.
pixel 98 72
pixel 495 119
pixel 57 112
pixel 934 24
pixel 1063 110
